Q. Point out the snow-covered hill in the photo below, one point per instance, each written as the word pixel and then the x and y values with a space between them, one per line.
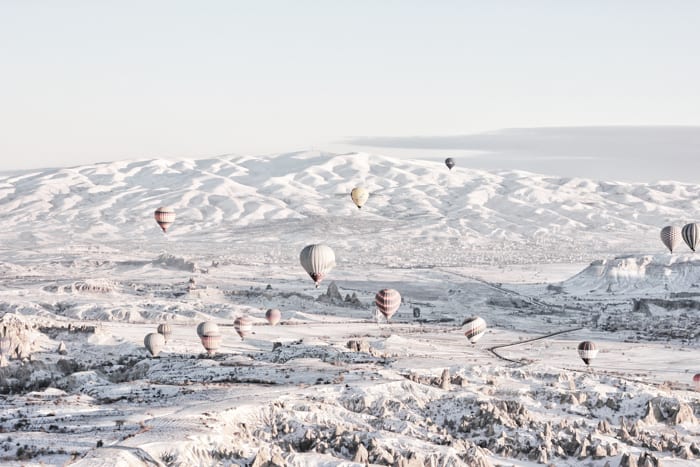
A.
pixel 443 217
pixel 643 274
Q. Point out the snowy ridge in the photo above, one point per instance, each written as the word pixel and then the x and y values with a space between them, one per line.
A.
pixel 642 274
pixel 449 214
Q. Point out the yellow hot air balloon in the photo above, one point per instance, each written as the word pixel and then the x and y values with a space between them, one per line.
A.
pixel 359 196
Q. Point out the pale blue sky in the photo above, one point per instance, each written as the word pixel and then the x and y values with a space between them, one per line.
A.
pixel 88 81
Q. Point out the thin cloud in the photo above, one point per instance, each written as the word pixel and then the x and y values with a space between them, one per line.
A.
pixel 635 153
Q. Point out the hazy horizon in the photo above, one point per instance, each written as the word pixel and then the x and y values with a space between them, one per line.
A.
pixel 85 82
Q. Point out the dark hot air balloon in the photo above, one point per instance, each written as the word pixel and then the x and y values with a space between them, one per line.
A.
pixel 587 350
pixel 691 235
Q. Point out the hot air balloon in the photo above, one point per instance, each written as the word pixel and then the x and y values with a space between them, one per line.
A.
pixel 273 316
pixel 165 216
pixel 388 301
pixel 359 196
pixel 166 330
pixel 211 343
pixel 317 260
pixel 587 350
pixel 243 326
pixel 154 343
pixel 207 328
pixel 474 328
pixel 449 162
pixel 691 235
pixel 696 381
pixel 671 237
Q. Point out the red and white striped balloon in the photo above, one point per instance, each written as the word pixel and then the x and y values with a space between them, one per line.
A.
pixel 165 216
pixel 474 328
pixel 243 326
pixel 388 301
pixel 211 343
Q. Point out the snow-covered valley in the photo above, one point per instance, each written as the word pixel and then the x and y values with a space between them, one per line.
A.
pixel 548 262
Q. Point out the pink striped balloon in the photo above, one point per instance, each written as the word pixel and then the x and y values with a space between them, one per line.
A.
pixel 388 301
pixel 211 343
pixel 165 216
pixel 243 326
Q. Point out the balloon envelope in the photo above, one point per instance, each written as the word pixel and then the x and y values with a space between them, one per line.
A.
pixel 154 343
pixel 165 216
pixel 671 237
pixel 359 196
pixel 587 350
pixel 388 301
pixel 207 328
pixel 696 381
pixel 243 326
pixel 317 261
pixel 449 162
pixel 211 343
pixel 474 328
pixel 691 235
pixel 165 330
pixel 273 316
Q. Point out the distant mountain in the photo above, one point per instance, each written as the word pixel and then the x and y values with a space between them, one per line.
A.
pixel 660 274
pixel 440 217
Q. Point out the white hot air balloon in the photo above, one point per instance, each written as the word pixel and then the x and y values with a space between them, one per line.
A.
pixel 207 327
pixel 154 343
pixel 317 261
pixel 671 237
pixel 359 196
